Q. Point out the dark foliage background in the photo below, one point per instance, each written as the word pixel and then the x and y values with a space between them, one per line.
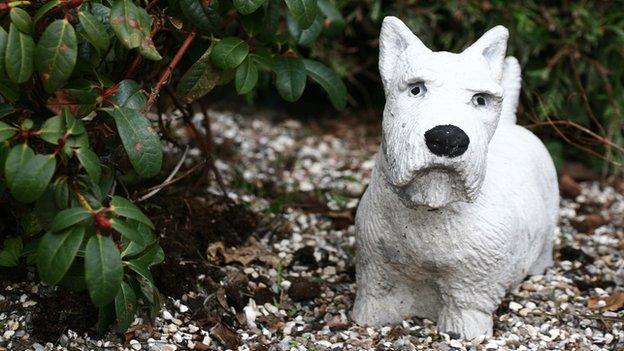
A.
pixel 570 51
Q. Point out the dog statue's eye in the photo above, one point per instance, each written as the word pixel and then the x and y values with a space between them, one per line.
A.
pixel 418 89
pixel 480 99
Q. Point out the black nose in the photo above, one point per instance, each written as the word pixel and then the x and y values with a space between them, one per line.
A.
pixel 447 140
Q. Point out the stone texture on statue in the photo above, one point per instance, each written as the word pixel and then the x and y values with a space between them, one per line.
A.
pixel 462 203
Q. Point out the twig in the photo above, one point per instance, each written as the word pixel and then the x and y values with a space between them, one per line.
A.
pixel 182 176
pixel 167 180
pixel 167 73
pixel 186 116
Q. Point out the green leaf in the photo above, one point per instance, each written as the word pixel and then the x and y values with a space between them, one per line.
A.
pixel 79 96
pixel 246 7
pixel 52 129
pixel 19 55
pixel 147 48
pixel 304 11
pixel 74 279
pixel 16 159
pixel 199 80
pixel 264 58
pixel 11 251
pixel 56 252
pixel 106 317
pixel 91 163
pixel 141 142
pixel 6 131
pixel 124 208
pixel 68 218
pixel 4 37
pixel 290 77
pixel 130 95
pixel 49 5
pixel 94 30
pixel 103 269
pixel 9 90
pixel 142 264
pixel 124 18
pixel 74 125
pixel 28 174
pixel 56 53
pixel 334 23
pixel 125 305
pixel 306 36
pixel 21 19
pixel 229 52
pixel 204 18
pixel 126 231
pixel 329 81
pixel 246 76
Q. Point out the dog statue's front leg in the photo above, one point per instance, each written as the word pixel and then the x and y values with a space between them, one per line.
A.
pixel 467 310
pixel 381 298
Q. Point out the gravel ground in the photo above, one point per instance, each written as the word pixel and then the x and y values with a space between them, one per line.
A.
pixel 292 289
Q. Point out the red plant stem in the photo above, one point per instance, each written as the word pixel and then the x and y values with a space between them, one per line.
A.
pixel 151 5
pixel 167 73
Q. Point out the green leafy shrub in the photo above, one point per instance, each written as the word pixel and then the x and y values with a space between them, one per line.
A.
pixel 73 120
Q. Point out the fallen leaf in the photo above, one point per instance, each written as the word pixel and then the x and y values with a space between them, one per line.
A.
pixel 253 251
pixel 569 187
pixel 226 336
pixel 614 302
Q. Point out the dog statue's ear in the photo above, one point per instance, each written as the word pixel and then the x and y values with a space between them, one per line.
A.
pixel 492 45
pixel 395 37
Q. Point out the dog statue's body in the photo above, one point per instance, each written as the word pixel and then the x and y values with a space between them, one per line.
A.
pixel 462 203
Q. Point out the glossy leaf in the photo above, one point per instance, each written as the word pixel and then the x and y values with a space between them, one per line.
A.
pixel 147 48
pixel 21 19
pixel 229 52
pixel 6 131
pixel 79 96
pixel 204 18
pixel 199 80
pixel 334 22
pixel 90 161
pixel 122 207
pixel 56 252
pixel 28 174
pixel 103 269
pixel 68 218
pixel 4 37
pixel 130 95
pixel 56 53
pixel 329 81
pixel 140 141
pixel 246 7
pixel 125 305
pixel 94 30
pixel 45 8
pixel 124 19
pixel 126 230
pixel 53 129
pixel 11 251
pixel 246 76
pixel 305 36
pixel 304 11
pixel 290 77
pixel 19 55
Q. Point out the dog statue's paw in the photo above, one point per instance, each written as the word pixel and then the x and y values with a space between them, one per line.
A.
pixel 468 324
pixel 374 313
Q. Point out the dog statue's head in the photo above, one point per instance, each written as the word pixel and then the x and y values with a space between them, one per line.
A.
pixel 441 111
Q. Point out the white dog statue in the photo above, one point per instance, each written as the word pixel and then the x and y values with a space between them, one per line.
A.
pixel 463 202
